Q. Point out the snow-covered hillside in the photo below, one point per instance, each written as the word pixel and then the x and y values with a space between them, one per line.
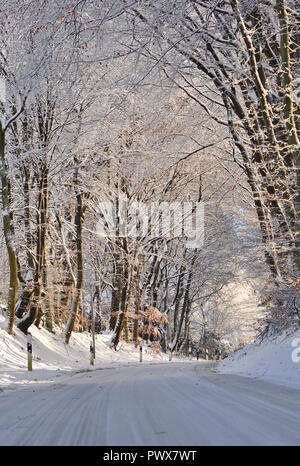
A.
pixel 52 358
pixel 274 359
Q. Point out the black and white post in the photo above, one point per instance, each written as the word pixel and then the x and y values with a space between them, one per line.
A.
pixel 141 352
pixel 92 330
pixel 92 352
pixel 29 352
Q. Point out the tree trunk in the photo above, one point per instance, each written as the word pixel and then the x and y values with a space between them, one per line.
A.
pixel 185 303
pixel 79 277
pixel 138 304
pixel 288 112
pixel 124 297
pixel 7 229
pixel 117 289
pixel 35 312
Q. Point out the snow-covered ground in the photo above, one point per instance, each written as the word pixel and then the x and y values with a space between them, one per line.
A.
pixel 276 360
pixel 119 401
pixel 182 404
pixel 52 358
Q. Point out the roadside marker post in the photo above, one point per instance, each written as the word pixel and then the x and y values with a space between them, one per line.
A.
pixel 29 352
pixel 91 353
pixel 141 353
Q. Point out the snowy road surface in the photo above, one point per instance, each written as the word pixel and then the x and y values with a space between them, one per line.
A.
pixel 180 404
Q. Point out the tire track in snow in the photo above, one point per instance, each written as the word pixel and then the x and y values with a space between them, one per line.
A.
pixel 167 404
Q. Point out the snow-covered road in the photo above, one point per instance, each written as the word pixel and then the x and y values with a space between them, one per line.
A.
pixel 181 404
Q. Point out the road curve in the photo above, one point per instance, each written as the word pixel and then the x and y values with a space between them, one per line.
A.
pixel 151 405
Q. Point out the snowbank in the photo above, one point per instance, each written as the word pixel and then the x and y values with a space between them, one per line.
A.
pixel 53 358
pixel 274 359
